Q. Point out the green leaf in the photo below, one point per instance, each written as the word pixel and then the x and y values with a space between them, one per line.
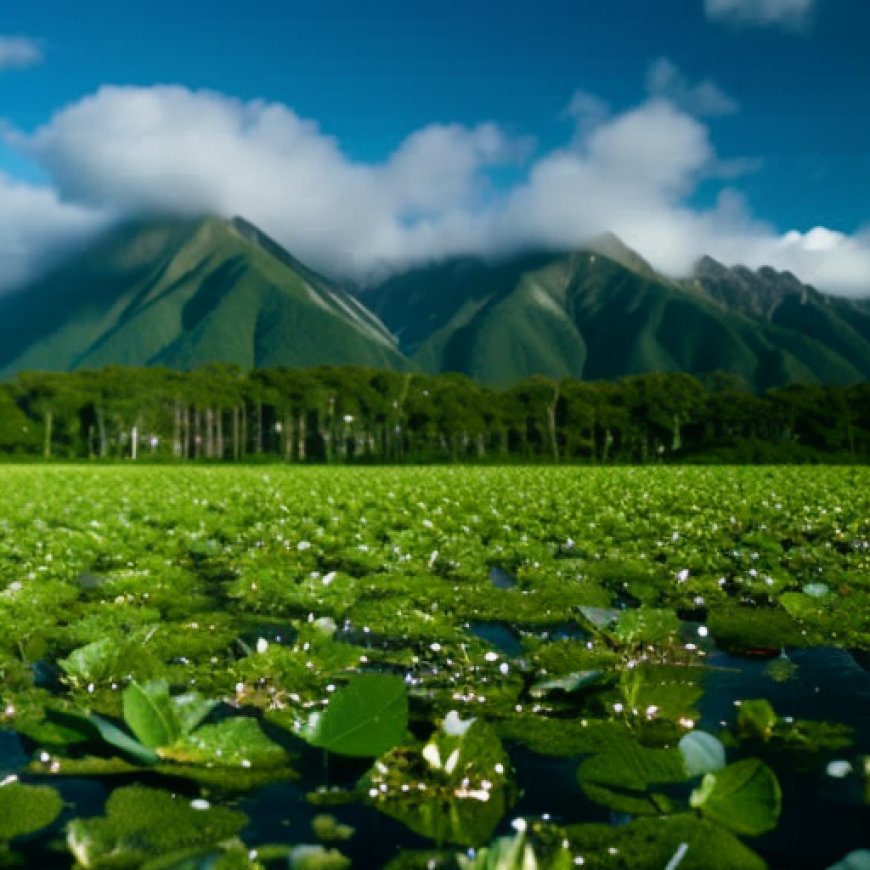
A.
pixel 467 779
pixel 702 753
pixel 150 714
pixel 646 625
pixel 120 739
pixel 366 718
pixel 25 809
pixel 145 823
pixel 92 662
pixel 568 683
pixel 620 778
pixel 744 797
pixel 190 710
pixel 756 718
pixel 234 742
pixel 652 842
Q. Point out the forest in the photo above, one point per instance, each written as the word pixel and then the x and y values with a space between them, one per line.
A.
pixel 356 414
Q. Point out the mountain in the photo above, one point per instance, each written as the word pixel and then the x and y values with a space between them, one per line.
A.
pixel 603 312
pixel 183 293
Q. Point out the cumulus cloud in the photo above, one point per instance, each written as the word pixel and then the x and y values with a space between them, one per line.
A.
pixel 172 150
pixel 664 80
pixel 35 224
pixel 169 149
pixel 17 52
pixel 788 13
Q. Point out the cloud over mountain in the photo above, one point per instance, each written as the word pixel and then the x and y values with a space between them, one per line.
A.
pixel 169 149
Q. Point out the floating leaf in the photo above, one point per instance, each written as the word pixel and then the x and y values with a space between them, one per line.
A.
pixel 145 823
pixel 702 753
pixel 652 842
pixel 600 617
pixel 25 809
pixel 455 789
pixel 365 718
pixel 859 859
pixel 744 797
pixel 569 683
pixel 234 742
pixel 620 778
pixel 756 718
pixel 646 625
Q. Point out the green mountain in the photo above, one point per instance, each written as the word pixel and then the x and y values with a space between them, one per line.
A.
pixel 183 293
pixel 604 312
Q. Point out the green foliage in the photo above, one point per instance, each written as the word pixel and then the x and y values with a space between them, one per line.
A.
pixel 455 789
pixel 25 809
pixel 365 718
pixel 365 595
pixel 744 797
pixel 142 824
pixel 621 778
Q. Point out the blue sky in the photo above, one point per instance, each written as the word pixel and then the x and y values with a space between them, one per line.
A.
pixel 765 102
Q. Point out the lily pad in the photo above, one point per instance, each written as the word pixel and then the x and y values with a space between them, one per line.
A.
pixel 238 741
pixel 702 753
pixel 621 778
pixel 365 718
pixel 25 809
pixel 456 789
pixel 744 797
pixel 144 823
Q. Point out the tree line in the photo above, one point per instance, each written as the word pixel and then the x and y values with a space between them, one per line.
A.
pixel 356 414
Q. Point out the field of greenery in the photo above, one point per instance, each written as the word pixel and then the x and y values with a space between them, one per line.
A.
pixel 661 667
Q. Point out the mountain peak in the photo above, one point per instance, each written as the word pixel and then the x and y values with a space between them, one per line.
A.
pixel 611 246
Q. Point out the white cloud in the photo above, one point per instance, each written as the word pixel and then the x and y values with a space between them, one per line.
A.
pixel 664 80
pixel 788 13
pixel 169 149
pixel 17 52
pixel 34 224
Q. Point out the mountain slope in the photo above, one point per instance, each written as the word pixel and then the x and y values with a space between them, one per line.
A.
pixel 604 312
pixel 184 293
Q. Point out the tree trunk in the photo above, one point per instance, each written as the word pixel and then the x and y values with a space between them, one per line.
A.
pixel 101 431
pixel 209 433
pixel 219 432
pixel 237 448
pixel 134 442
pixel 49 424
pixel 288 435
pixel 258 431
pixel 551 423
pixel 176 430
pixel 301 453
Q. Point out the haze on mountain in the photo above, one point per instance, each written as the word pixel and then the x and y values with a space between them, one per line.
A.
pixel 186 293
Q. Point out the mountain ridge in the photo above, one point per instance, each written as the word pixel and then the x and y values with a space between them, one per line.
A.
pixel 184 293
pixel 187 292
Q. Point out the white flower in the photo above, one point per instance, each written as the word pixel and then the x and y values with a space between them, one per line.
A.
pixel 432 755
pixel 452 761
pixel 454 726
pixel 838 769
